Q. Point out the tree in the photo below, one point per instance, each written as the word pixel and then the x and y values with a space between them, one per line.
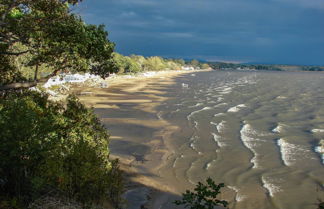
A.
pixel 53 36
pixel 154 63
pixel 194 63
pixel 46 147
pixel 203 197
pixel 204 66
pixel 180 61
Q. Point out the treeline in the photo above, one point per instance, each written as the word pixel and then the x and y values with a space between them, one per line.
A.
pixel 137 63
pixel 234 66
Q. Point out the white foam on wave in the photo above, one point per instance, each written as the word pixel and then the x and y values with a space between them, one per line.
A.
pixel 196 124
pixel 290 153
pixel 225 90
pixel 249 140
pixel 175 111
pixel 213 123
pixel 246 80
pixel 281 97
pixel 193 141
pixel 238 196
pixel 219 99
pixel 318 130
pixel 270 186
pixel 196 105
pixel 221 104
pixel 320 150
pixel 279 128
pixel 209 164
pixel 218 139
pixel 197 111
pixel 221 126
pixel 236 108
pixel 192 145
pixel 219 114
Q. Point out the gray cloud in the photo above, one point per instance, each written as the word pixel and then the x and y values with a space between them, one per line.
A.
pixel 280 31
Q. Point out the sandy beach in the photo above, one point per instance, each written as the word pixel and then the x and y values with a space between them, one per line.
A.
pixel 127 108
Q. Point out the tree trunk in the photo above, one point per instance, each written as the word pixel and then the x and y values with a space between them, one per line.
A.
pixel 36 72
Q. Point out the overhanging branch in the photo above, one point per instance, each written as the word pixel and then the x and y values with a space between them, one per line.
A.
pixel 14 53
pixel 18 85
pixel 24 85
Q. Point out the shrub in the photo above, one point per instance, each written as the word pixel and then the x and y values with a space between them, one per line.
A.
pixel 49 146
pixel 203 197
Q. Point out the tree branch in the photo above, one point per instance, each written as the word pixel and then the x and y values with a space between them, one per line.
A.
pixel 14 53
pixel 24 85
pixel 18 85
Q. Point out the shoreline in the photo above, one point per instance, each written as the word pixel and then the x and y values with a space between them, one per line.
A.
pixel 127 108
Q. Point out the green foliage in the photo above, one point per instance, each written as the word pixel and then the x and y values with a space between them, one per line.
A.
pixel 204 66
pixel 154 64
pixel 321 205
pixel 136 63
pixel 126 64
pixel 53 36
pixel 180 61
pixel 194 63
pixel 46 146
pixel 203 197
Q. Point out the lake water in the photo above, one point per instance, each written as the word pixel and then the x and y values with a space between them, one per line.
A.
pixel 257 132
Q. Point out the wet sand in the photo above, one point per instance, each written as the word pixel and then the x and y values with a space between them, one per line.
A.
pixel 127 108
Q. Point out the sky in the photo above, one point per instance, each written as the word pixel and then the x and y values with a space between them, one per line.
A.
pixel 254 31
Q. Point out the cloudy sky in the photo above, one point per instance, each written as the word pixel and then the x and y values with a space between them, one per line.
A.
pixel 262 31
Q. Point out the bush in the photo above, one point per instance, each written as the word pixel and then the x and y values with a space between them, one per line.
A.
pixel 204 196
pixel 48 146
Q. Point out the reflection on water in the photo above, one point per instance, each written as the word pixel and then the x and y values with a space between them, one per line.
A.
pixel 258 132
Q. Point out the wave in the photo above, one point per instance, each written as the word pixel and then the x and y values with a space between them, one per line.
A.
pixel 320 150
pixel 250 142
pixel 279 128
pixel 219 114
pixel 196 105
pixel 238 196
pixel 197 111
pixel 220 104
pixel 236 108
pixel 176 160
pixel 281 97
pixel 221 126
pixel 209 164
pixel 175 111
pixel 196 124
pixel 225 90
pixel 218 139
pixel 269 185
pixel 318 130
pixel 219 99
pixel 290 153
